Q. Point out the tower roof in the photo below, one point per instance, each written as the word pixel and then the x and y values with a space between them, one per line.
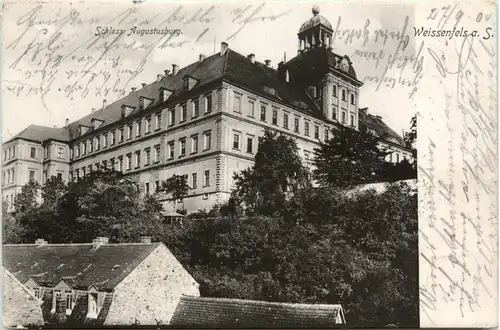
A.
pixel 316 20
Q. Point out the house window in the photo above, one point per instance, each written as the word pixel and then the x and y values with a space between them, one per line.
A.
pixel 69 302
pixel 397 158
pixel 344 98
pixel 147 156
pixel 105 140
pixel 250 145
pixel 37 292
pixel 60 153
pixel 58 294
pixel 327 133
pixel 193 180
pixel 46 152
pixel 59 175
pixel 157 154
pixel 92 307
pixel 352 120
pixel 33 152
pixel 263 113
pixel 137 159
pixel 275 117
pixel 171 117
pixel 97 143
pixel 251 108
pixel 148 125
pixel 343 117
pixel 334 90
pixel 157 185
pixel 84 148
pixel 334 112
pixel 206 178
pixel 194 144
pixel 32 175
pixel 316 132
pixel 352 98
pixel 44 176
pixel 120 164
pixel 121 135
pixel 158 121
pixel 285 120
pixel 208 103
pixel 171 150
pixel 129 131
pixel 112 138
pixel 83 171
pixel 183 112
pixel 138 126
pixel 129 162
pixel 237 103
pixel 146 188
pixel 91 146
pixel 306 128
pixel 182 146
pixel 89 168
pixel 296 124
pixel 196 108
pixel 5 154
pixel 207 136
pixel 236 141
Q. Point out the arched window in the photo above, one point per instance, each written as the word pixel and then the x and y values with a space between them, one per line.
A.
pixel 352 98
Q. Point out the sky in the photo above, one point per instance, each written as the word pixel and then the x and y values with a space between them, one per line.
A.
pixel 56 65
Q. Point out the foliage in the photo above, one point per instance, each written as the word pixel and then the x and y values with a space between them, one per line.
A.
pixel 175 186
pixel 411 140
pixel 26 200
pixel 348 158
pixel 12 232
pixel 52 190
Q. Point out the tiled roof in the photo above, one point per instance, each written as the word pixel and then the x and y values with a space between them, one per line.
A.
pixel 42 133
pixel 376 125
pixel 223 312
pixel 77 264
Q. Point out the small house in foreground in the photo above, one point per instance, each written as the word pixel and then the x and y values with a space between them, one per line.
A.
pixel 100 284
pixel 234 313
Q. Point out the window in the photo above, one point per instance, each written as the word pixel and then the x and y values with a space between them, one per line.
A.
pixel 183 112
pixel 146 188
pixel 14 151
pixel 171 117
pixel 147 156
pixel 157 154
pixel 69 302
pixel 182 146
pixel 316 132
pixel 275 117
pixel 129 131
pixel 327 137
pixel 193 180
pixel 208 103
pixel 397 158
pixel 92 307
pixel 33 152
pixel 121 135
pixel 45 152
pixel 44 176
pixel 120 164
pixel 59 175
pixel 206 178
pixel 91 145
pixel 251 108
pixel 148 125
pixel 138 126
pixel 32 175
pixel 137 159
pixel 205 196
pixel 250 145
pixel 70 175
pixel 171 150
pixel 194 144
pixel 285 120
pixel 89 168
pixel 60 152
pixel 296 124
pixel 352 98
pixel 105 140
pixel 236 141
pixel 344 95
pixel 37 292
pixel 84 148
pixel 196 108
pixel 13 175
pixel 97 143
pixel 237 103
pixel 128 162
pixel 112 138
pixel 157 185
pixel 306 128
pixel 158 121
pixel 334 113
pixel 207 136
pixel 58 294
pixel 83 171
pixel 343 116
pixel 263 112
pixel 334 92
pixel 5 154
pixel 352 120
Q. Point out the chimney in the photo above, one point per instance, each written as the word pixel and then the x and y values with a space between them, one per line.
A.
pixel 143 85
pixel 67 122
pixel 251 57
pixel 202 57
pixel 40 242
pixel 223 48
pixel 287 76
pixel 167 72
pixel 268 62
pixel 146 239
pixel 133 89
pixel 159 77
pixel 104 103
pixel 175 67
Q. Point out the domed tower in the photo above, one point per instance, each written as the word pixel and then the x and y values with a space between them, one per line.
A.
pixel 315 32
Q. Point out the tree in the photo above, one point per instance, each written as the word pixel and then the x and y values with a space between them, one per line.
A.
pixel 411 140
pixel 348 158
pixel 277 172
pixel 12 231
pixel 177 187
pixel 26 200
pixel 52 190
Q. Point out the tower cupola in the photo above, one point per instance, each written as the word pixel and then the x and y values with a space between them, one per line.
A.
pixel 315 32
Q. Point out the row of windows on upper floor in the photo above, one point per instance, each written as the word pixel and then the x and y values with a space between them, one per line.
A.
pixel 69 299
pixel 11 152
pixel 127 132
pixel 317 92
pixel 195 110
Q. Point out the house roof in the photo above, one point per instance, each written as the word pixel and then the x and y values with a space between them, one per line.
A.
pixel 376 126
pixel 223 312
pixel 41 133
pixel 77 264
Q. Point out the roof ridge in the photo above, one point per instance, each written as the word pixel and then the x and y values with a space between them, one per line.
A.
pixel 261 302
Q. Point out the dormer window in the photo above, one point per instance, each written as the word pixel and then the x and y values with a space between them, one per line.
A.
pixel 144 102
pixel 95 123
pixel 164 94
pixel 69 302
pixel 92 305
pixel 189 83
pixel 83 129
pixel 126 110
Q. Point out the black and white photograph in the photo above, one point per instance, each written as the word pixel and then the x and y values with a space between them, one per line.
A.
pixel 234 165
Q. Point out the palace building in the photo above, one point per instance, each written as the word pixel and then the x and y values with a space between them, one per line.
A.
pixel 203 121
